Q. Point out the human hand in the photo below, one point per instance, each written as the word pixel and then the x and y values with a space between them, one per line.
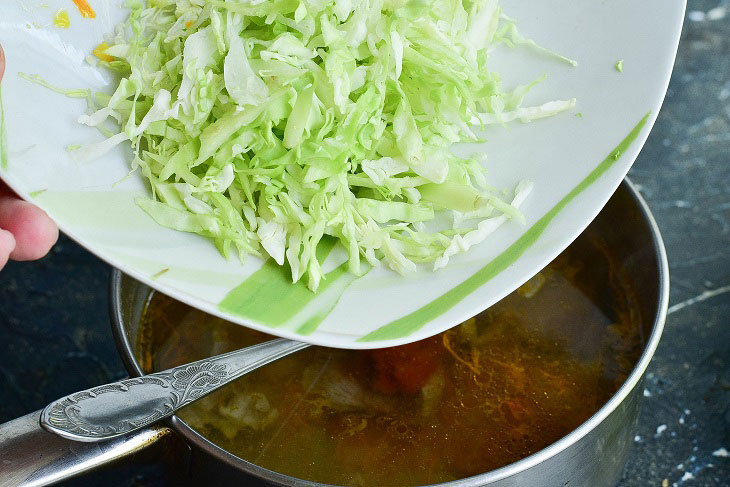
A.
pixel 26 232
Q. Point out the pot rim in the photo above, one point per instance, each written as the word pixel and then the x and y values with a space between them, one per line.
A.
pixel 127 354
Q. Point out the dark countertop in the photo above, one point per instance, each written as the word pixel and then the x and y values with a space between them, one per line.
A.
pixel 55 336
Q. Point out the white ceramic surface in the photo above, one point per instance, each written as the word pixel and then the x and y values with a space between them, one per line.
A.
pixel 93 202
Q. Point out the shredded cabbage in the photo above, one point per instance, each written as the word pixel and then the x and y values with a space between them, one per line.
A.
pixel 267 124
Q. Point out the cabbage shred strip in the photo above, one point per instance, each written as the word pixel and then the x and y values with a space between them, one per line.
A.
pixel 266 125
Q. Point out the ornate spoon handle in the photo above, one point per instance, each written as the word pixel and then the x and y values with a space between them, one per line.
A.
pixel 118 408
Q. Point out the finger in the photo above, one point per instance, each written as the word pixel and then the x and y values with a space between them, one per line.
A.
pixel 28 232
pixel 4 188
pixel 2 62
pixel 34 232
pixel 7 245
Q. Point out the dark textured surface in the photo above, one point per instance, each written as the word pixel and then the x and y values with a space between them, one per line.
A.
pixel 54 326
pixel 684 171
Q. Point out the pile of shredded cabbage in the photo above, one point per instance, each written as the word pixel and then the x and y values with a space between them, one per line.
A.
pixel 267 124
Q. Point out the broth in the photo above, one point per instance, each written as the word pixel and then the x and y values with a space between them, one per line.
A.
pixel 499 387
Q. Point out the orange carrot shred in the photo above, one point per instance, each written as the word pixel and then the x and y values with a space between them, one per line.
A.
pixel 100 50
pixel 188 24
pixel 85 9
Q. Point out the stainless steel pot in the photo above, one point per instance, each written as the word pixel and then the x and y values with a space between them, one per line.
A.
pixel 593 454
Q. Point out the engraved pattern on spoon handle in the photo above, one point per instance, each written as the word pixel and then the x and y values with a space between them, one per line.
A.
pixel 118 408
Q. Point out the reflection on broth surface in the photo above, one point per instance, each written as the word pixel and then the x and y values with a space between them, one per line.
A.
pixel 497 388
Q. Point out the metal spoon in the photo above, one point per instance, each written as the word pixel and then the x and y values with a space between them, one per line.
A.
pixel 119 408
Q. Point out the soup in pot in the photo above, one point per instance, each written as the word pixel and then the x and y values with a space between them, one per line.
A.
pixel 491 391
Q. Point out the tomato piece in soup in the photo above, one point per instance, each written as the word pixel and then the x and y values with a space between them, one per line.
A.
pixel 407 368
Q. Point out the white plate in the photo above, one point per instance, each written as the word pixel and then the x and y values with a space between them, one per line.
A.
pixel 572 160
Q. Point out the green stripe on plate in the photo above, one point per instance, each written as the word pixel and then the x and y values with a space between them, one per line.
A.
pixel 269 297
pixel 415 320
pixel 330 300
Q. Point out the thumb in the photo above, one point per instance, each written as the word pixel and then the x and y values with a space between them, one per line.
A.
pixel 7 246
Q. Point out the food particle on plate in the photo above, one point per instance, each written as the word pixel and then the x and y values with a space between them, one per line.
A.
pixel 100 52
pixel 86 11
pixel 61 19
pixel 160 273
pixel 620 66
